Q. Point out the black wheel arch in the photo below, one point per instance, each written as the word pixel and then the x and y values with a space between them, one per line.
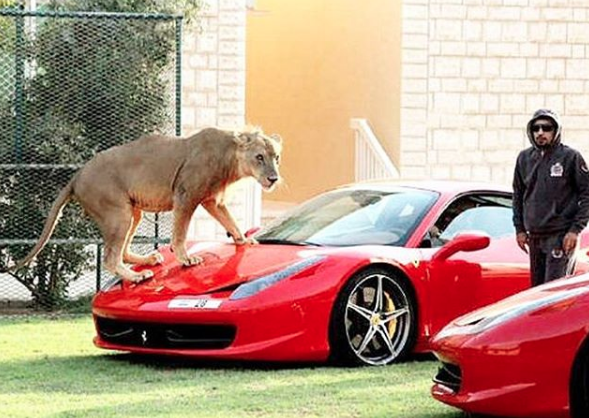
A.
pixel 579 382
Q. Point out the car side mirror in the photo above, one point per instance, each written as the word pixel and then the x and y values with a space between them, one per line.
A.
pixel 252 231
pixel 466 241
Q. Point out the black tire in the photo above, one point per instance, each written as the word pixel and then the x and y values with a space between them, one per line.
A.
pixel 579 384
pixel 368 330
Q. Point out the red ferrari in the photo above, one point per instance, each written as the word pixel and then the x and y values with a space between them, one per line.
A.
pixel 526 356
pixel 363 274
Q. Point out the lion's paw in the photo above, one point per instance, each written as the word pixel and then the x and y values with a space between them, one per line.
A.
pixel 155 258
pixel 138 277
pixel 147 274
pixel 245 241
pixel 192 260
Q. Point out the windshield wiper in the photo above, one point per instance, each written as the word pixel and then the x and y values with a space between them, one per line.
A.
pixel 279 241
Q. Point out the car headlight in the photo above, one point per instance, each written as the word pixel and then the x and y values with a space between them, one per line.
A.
pixel 479 324
pixel 257 285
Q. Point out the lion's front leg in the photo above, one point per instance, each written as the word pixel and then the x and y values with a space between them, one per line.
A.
pixel 182 216
pixel 220 212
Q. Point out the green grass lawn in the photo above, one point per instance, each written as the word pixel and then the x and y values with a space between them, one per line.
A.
pixel 49 368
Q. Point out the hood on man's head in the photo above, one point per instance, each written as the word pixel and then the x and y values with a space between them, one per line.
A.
pixel 545 114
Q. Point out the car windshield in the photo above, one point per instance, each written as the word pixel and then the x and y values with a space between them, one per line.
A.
pixel 352 217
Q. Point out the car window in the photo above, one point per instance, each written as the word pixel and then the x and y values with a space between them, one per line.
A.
pixel 489 214
pixel 353 217
pixel 494 221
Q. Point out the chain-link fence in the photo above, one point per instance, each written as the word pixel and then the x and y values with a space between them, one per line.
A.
pixel 71 85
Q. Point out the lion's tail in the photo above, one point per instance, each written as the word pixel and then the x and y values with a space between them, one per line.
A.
pixel 64 197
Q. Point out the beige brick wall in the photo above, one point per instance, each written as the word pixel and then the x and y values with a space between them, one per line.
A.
pixel 213 94
pixel 474 71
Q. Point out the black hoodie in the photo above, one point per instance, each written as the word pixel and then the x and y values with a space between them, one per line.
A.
pixel 550 185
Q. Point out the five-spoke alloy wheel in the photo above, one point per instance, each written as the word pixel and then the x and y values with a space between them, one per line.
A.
pixel 373 321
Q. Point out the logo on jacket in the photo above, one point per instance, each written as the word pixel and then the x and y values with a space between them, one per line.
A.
pixel 556 170
pixel 557 253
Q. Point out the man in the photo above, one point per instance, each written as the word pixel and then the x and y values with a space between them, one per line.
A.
pixel 550 199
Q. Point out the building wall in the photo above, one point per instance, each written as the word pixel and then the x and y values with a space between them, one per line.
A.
pixel 213 70
pixel 213 94
pixel 312 65
pixel 475 70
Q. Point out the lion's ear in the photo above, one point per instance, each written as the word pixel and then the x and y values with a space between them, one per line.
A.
pixel 277 138
pixel 243 139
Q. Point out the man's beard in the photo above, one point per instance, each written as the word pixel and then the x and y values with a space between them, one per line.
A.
pixel 545 145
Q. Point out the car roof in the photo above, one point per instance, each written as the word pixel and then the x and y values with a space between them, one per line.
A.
pixel 453 187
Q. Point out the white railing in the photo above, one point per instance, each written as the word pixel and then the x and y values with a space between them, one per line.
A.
pixel 252 214
pixel 371 161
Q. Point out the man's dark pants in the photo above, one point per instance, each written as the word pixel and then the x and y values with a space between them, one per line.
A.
pixel 548 261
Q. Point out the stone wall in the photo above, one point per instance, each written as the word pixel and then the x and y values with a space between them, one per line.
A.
pixel 473 73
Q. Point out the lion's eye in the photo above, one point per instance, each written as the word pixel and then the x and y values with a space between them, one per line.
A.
pixel 260 158
pixel 277 160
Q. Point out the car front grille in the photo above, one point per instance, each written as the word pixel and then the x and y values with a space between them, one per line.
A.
pixel 450 376
pixel 161 335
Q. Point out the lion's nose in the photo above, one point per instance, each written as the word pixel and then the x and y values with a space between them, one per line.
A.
pixel 272 179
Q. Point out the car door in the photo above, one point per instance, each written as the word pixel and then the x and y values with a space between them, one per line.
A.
pixel 467 280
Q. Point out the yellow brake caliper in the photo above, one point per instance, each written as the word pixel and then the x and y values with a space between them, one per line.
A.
pixel 390 307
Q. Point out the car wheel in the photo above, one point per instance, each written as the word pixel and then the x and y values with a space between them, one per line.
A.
pixel 373 321
pixel 579 384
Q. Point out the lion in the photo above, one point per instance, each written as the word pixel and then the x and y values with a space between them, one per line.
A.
pixel 158 174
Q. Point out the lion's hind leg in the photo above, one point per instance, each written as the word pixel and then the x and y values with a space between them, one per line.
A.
pixel 151 259
pixel 115 224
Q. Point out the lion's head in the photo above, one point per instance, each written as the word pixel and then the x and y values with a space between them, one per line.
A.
pixel 259 156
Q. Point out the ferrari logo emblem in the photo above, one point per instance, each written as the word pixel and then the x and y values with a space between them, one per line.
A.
pixel 144 337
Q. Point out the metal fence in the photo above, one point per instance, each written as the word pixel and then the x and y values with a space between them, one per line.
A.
pixel 71 85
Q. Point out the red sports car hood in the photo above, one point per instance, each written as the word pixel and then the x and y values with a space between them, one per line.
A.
pixel 537 297
pixel 225 266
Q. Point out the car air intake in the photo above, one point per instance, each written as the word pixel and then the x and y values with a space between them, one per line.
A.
pixel 450 376
pixel 161 335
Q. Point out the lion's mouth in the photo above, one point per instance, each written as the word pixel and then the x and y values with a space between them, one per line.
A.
pixel 267 186
pixel 268 183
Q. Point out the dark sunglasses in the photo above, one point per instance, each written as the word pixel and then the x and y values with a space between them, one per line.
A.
pixel 544 127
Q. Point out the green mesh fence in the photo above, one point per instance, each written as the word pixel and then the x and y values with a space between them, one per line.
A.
pixel 71 85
